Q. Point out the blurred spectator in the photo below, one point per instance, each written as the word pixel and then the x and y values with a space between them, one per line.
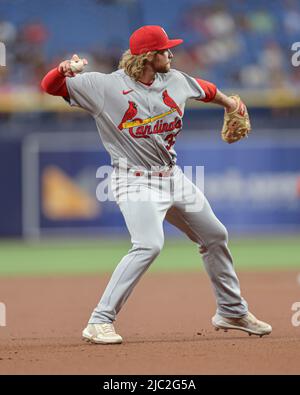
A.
pixel 219 23
pixel 243 23
pixel 294 80
pixel 29 57
pixel 8 32
pixel 253 76
pixel 262 22
pixel 235 44
pixel 291 18
pixel 271 56
pixel 34 33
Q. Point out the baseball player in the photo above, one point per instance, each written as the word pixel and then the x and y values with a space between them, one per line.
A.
pixel 138 110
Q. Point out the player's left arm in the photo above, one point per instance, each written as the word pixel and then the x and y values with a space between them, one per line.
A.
pixel 236 123
pixel 225 101
pixel 214 95
pixel 206 91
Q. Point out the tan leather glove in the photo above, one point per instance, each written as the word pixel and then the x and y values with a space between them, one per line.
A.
pixel 236 124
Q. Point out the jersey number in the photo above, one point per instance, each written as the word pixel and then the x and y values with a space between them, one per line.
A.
pixel 171 139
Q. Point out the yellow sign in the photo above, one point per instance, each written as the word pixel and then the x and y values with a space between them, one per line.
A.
pixel 63 199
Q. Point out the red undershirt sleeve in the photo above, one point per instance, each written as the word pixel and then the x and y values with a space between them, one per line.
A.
pixel 209 88
pixel 54 83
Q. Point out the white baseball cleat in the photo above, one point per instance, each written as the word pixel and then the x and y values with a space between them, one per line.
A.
pixel 101 334
pixel 248 323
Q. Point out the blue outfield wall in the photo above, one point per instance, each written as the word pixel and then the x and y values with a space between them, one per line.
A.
pixel 251 186
pixel 10 189
pixel 49 185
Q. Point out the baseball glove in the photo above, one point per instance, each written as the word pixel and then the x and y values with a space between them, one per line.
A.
pixel 236 124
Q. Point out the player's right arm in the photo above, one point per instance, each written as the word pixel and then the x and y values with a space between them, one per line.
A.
pixel 54 81
pixel 86 90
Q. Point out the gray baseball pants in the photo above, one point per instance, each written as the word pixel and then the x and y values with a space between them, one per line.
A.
pixel 145 202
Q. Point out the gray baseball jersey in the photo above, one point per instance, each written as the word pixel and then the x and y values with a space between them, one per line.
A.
pixel 136 121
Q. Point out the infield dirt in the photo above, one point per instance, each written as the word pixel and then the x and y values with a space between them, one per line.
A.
pixel 165 325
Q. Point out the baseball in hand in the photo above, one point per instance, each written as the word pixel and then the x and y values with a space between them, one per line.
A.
pixel 77 65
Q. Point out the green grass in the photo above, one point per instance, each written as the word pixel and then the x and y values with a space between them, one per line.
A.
pixel 78 257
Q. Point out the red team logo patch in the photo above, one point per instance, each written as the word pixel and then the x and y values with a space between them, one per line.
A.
pixel 129 114
pixel 143 128
pixel 170 102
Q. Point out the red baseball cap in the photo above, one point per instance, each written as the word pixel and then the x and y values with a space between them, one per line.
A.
pixel 150 38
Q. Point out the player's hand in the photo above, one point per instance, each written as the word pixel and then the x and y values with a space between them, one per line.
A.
pixel 66 68
pixel 231 104
pixel 236 125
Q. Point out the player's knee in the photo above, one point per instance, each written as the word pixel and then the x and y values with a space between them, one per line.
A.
pixel 219 236
pixel 150 249
pixel 155 248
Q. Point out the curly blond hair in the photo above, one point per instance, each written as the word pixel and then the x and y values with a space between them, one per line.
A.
pixel 133 65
